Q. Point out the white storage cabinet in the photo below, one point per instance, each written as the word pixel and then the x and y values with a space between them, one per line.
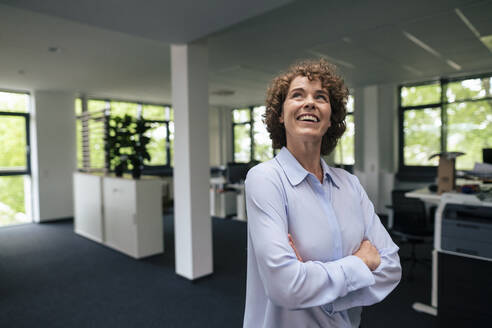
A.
pixel 88 216
pixel 133 216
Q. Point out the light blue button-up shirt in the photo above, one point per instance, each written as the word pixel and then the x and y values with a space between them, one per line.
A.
pixel 328 221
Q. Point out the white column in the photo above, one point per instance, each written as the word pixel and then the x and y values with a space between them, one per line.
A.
pixel 215 132
pixel 376 141
pixel 227 147
pixel 371 142
pixel 192 222
pixel 53 156
pixel 388 143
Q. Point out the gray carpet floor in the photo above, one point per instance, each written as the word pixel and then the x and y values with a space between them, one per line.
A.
pixel 51 277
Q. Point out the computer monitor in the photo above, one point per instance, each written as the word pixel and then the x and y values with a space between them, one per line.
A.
pixel 487 155
pixel 236 172
pixel 217 171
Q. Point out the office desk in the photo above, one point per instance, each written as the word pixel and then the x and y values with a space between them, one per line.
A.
pixel 440 200
pixel 425 195
pixel 227 199
pixel 434 198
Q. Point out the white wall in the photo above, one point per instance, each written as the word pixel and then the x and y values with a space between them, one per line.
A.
pixel 54 156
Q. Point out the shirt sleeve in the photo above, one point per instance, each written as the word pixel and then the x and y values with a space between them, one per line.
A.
pixel 387 275
pixel 288 282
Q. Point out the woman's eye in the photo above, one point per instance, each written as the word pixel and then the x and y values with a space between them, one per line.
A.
pixel 322 97
pixel 296 95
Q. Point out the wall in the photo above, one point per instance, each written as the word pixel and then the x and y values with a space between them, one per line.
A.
pixel 54 160
pixel 220 135
pixel 220 126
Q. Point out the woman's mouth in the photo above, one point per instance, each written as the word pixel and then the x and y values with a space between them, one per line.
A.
pixel 308 118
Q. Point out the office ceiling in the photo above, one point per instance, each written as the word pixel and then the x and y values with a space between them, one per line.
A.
pixel 120 48
pixel 162 20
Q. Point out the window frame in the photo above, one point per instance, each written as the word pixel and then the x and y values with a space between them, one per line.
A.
pixel 429 172
pixel 234 124
pixel 27 117
pixel 251 133
pixel 28 170
pixel 347 167
pixel 166 169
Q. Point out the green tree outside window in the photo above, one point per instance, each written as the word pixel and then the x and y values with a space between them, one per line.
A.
pixel 13 158
pixel 467 125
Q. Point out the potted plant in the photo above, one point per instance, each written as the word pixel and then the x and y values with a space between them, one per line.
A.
pixel 127 144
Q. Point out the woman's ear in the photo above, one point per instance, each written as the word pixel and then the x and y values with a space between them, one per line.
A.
pixel 281 117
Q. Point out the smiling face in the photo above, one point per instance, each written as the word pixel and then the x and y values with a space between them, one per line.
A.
pixel 306 111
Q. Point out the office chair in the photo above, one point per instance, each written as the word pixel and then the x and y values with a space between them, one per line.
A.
pixel 411 225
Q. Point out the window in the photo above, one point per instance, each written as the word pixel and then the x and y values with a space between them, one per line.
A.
pixel 161 134
pixel 15 166
pixel 251 140
pixel 344 152
pixel 262 144
pixel 92 128
pixel 241 135
pixel 449 115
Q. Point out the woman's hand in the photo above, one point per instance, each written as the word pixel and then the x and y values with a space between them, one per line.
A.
pixel 369 254
pixel 291 243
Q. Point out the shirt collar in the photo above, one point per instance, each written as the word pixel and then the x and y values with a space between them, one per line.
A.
pixel 294 170
pixel 329 174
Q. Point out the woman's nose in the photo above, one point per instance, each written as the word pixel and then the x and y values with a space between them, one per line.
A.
pixel 309 102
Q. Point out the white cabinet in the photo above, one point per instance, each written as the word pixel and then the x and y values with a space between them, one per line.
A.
pixel 133 216
pixel 131 219
pixel 88 220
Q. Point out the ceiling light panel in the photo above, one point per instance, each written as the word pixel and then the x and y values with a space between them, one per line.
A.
pixel 391 46
pixel 422 44
pixel 332 60
pixel 486 40
pixel 346 55
pixel 450 36
pixel 467 22
pixel 480 15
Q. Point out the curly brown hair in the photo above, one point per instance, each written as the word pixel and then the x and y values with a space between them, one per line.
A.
pixel 338 93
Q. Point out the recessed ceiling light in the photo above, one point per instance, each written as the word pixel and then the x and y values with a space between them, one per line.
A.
pixel 54 49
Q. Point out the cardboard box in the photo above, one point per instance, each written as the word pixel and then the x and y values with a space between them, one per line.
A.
pixel 446 178
pixel 446 171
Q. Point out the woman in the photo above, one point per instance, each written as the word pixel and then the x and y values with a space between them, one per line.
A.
pixel 317 252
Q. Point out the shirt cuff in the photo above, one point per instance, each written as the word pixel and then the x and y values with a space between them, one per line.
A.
pixel 328 309
pixel 357 274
